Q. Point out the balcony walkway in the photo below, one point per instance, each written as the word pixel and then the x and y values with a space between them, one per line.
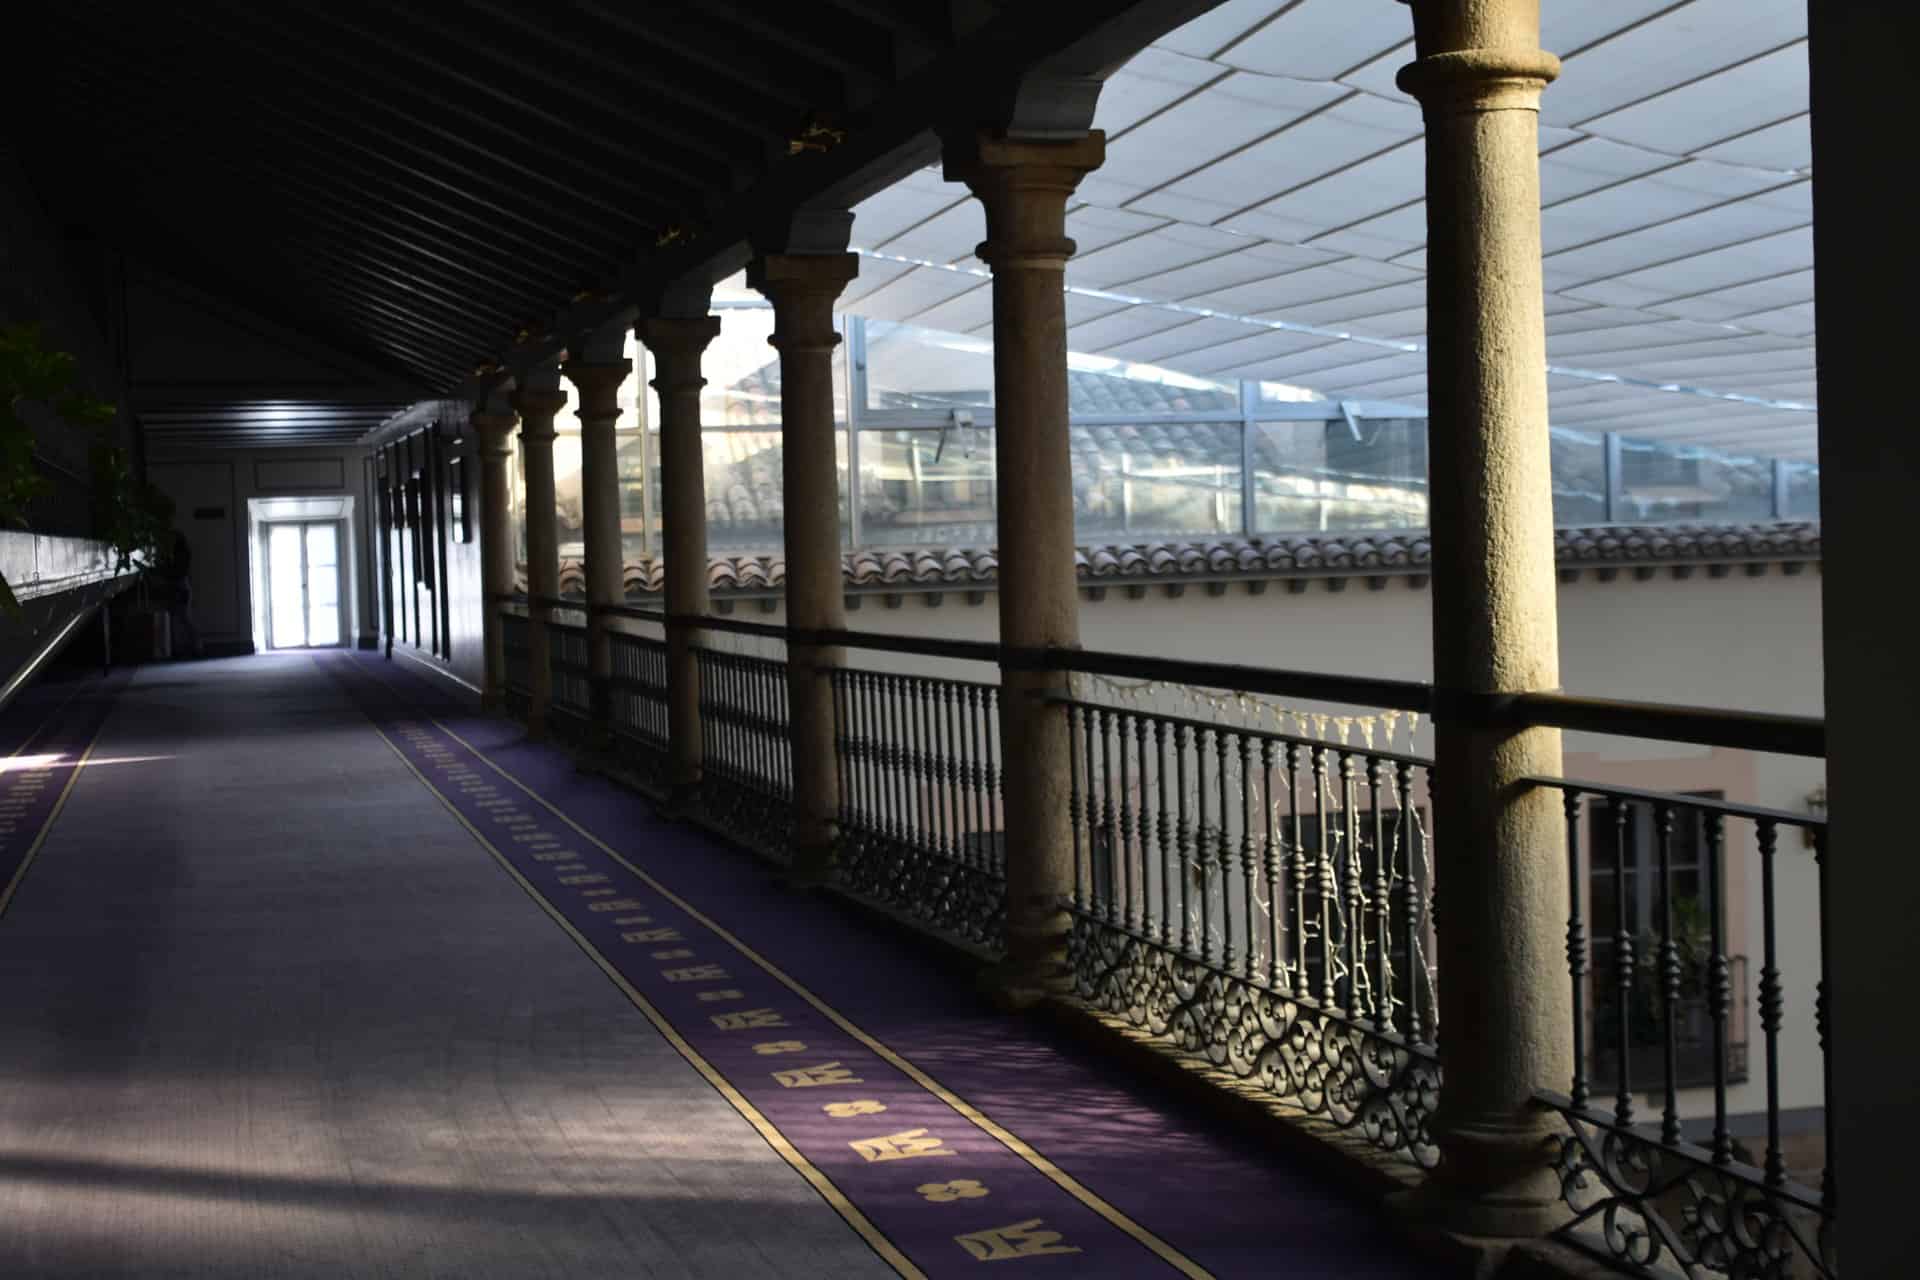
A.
pixel 280 998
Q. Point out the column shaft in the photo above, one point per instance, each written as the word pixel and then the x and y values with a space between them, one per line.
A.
pixel 1505 1020
pixel 537 408
pixel 1024 187
pixel 495 431
pixel 802 289
pixel 677 344
pixel 598 386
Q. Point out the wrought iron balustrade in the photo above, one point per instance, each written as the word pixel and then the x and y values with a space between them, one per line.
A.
pixel 1263 899
pixel 567 660
pixel 516 642
pixel 637 703
pixel 746 771
pixel 920 816
pixel 1659 1006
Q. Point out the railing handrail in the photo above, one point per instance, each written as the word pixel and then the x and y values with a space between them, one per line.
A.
pixel 1669 722
pixel 1680 800
pixel 1666 722
pixel 1275 735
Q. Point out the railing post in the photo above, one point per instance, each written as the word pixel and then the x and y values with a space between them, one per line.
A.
pixel 677 340
pixel 1024 186
pixel 1505 1017
pixel 494 423
pixel 803 287
pixel 538 399
pixel 597 369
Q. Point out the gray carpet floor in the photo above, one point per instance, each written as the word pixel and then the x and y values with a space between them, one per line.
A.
pixel 266 1010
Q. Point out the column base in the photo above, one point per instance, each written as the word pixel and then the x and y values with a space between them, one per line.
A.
pixel 1496 1181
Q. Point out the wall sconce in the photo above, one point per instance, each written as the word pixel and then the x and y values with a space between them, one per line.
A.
pixel 1816 807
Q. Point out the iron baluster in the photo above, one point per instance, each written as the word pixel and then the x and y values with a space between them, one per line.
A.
pixel 1669 975
pixel 1352 929
pixel 1622 960
pixel 1382 913
pixel 1165 832
pixel 1271 860
pixel 1576 949
pixel 1202 854
pixel 1123 844
pixel 971 713
pixel 995 811
pixel 1823 1026
pixel 1145 827
pixel 1225 850
pixel 1719 988
pixel 952 802
pixel 1185 840
pixel 1298 920
pixel 1323 868
pixel 1103 848
pixel 1073 802
pixel 1246 851
pixel 1771 1002
pixel 1410 900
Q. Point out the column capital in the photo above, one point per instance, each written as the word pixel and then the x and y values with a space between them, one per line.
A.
pixel 803 288
pixel 677 342
pixel 1024 186
pixel 1467 81
pixel 537 407
pixel 599 387
pixel 495 429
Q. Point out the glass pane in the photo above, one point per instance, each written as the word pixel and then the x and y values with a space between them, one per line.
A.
pixel 913 368
pixel 1178 478
pixel 745 510
pixel 927 487
pixel 284 586
pixel 1313 476
pixel 1100 385
pixel 629 451
pixel 1284 393
pixel 323 544
pixel 1670 482
pixel 1803 491
pixel 742 372
pixel 569 518
pixel 324 626
pixel 323 586
pixel 1579 477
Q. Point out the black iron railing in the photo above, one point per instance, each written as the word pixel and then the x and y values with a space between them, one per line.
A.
pixel 1263 899
pixel 567 662
pixel 1658 1005
pixel 746 762
pixel 920 816
pixel 515 642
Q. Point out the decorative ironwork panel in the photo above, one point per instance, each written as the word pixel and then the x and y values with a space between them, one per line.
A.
pixel 746 777
pixel 1659 1006
pixel 637 705
pixel 1263 900
pixel 920 816
pixel 515 642
pixel 572 671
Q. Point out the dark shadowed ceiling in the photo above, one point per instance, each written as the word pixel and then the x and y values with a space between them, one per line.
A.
pixel 405 189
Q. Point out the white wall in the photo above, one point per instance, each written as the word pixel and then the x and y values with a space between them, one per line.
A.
pixel 211 490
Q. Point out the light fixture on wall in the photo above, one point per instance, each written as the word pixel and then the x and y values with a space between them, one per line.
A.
pixel 1816 808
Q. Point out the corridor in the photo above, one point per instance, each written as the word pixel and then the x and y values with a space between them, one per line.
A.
pixel 307 970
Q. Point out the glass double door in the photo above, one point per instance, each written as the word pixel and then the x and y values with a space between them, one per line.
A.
pixel 303 585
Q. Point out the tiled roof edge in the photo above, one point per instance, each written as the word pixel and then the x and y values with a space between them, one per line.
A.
pixel 1365 554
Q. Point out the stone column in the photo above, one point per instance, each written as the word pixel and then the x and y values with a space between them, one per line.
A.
pixel 803 288
pixel 598 385
pixel 494 427
pixel 1505 1015
pixel 537 405
pixel 677 343
pixel 1024 187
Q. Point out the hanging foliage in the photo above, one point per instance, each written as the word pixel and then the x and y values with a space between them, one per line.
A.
pixel 31 375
